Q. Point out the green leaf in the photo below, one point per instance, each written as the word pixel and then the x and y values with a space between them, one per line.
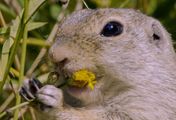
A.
pixel 5 55
pixel 34 5
pixel 15 25
pixel 35 25
pixel 8 44
pixel 4 30
pixel 7 10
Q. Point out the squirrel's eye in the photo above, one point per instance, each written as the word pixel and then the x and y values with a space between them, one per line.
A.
pixel 112 28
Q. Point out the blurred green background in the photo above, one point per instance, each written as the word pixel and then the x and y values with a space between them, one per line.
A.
pixel 163 10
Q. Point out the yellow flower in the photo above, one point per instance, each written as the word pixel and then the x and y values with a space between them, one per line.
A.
pixel 83 78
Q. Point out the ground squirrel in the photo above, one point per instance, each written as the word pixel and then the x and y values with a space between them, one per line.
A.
pixel 134 62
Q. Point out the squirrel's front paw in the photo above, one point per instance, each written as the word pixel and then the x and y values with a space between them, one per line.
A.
pixel 44 97
pixel 30 88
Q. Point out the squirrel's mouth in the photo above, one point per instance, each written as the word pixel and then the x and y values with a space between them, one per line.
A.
pixel 82 79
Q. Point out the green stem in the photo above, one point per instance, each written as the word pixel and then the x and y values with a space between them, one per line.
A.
pixel 7 102
pixel 15 45
pixel 28 18
pixel 85 4
pixel 2 21
pixel 13 108
pixel 12 54
pixel 23 57
pixel 34 42
pixel 37 42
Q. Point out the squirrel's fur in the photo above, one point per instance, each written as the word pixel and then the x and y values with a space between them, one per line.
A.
pixel 136 72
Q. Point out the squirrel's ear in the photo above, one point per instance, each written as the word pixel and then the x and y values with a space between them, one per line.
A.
pixel 161 38
pixel 158 36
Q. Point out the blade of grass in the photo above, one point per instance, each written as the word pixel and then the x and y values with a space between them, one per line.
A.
pixel 32 113
pixel 34 42
pixel 2 21
pixel 17 62
pixel 23 56
pixel 34 5
pixel 14 108
pixel 14 4
pixel 8 44
pixel 15 72
pixel 7 11
pixel 35 25
pixel 85 4
pixel 5 55
pixel 14 32
pixel 49 40
pixel 17 39
pixel 37 42
pixel 12 54
pixel 4 30
pixel 7 102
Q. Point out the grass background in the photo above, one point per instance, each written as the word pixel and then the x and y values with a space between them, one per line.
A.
pixel 27 29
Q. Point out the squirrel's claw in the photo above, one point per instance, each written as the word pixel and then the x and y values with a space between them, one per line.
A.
pixel 30 89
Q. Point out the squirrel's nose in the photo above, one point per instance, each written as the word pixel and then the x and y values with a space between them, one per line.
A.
pixel 60 54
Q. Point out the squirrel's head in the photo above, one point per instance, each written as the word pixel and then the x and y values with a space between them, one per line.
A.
pixel 118 45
